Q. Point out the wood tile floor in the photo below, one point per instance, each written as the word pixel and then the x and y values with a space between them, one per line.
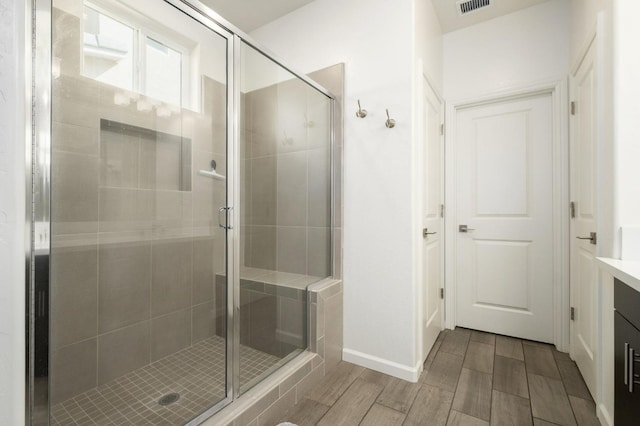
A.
pixel 470 378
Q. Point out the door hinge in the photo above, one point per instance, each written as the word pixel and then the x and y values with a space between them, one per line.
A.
pixel 442 130
pixel 441 210
pixel 442 293
pixel 573 108
pixel 573 313
pixel 572 209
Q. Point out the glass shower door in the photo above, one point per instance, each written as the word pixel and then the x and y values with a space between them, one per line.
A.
pixel 138 258
pixel 285 211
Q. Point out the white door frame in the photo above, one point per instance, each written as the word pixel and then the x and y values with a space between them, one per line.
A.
pixel 558 90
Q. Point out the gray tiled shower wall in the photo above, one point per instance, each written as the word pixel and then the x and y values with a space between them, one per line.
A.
pixel 286 185
pixel 332 78
pixel 132 272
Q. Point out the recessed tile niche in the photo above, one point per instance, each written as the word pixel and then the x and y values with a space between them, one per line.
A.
pixel 138 158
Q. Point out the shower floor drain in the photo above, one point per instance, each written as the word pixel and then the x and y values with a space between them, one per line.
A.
pixel 169 398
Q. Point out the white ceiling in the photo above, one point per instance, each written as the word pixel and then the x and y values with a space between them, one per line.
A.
pixel 450 20
pixel 251 14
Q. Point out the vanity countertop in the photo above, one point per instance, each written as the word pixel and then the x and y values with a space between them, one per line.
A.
pixel 627 271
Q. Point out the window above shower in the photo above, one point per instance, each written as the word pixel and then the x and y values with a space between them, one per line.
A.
pixel 125 49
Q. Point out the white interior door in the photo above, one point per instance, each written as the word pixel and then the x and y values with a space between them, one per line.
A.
pixel 583 195
pixel 432 229
pixel 504 186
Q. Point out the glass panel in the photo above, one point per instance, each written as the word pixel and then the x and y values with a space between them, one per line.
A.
pixel 166 85
pixel 107 49
pixel 285 211
pixel 138 262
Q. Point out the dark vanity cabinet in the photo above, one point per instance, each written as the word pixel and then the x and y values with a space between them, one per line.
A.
pixel 627 354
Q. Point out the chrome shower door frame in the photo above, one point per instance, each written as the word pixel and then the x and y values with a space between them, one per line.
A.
pixel 37 305
pixel 206 17
pixel 37 398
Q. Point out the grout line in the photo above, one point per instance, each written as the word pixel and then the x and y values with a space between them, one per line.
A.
pixel 457 381
pixel 421 381
pixel 526 377
pixel 493 383
pixel 564 386
pixel 374 401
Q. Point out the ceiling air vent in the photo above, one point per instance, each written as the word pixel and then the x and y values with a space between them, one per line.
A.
pixel 466 6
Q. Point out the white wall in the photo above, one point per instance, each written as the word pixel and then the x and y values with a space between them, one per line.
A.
pixel 583 23
pixel 374 38
pixel 626 81
pixel 512 51
pixel 428 42
pixel 12 211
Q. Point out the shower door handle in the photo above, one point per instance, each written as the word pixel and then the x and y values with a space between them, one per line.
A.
pixel 226 217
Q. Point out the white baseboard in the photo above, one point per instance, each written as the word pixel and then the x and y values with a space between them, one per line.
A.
pixel 604 416
pixel 411 374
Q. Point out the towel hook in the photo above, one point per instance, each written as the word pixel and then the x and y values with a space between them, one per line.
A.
pixel 361 113
pixel 390 123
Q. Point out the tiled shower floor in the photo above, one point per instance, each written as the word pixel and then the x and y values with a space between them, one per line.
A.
pixel 197 373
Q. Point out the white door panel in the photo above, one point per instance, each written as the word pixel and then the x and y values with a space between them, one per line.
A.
pixel 433 275
pixel 504 263
pixel 583 195
pixel 506 173
pixel 585 330
pixel 432 248
pixel 512 286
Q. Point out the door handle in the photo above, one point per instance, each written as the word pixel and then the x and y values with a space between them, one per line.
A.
pixel 426 233
pixel 630 371
pixel 630 359
pixel 626 363
pixel 464 228
pixel 226 218
pixel 593 238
